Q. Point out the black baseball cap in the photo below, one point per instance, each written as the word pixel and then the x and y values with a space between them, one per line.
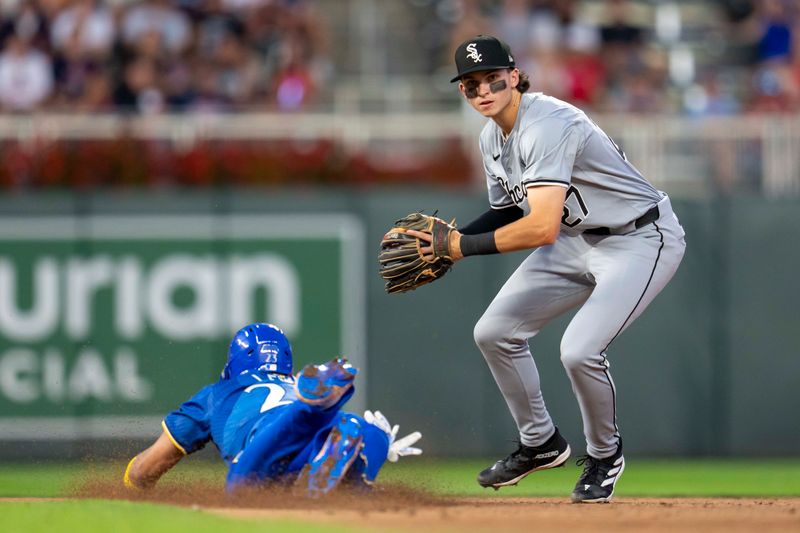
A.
pixel 482 52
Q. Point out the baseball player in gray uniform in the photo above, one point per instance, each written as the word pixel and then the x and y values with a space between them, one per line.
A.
pixel 605 240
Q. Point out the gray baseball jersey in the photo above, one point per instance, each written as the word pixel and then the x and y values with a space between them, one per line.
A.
pixel 612 278
pixel 555 143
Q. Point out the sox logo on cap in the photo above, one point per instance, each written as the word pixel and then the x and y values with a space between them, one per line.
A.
pixel 473 53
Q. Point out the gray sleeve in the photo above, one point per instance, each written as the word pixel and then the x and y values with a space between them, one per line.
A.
pixel 548 149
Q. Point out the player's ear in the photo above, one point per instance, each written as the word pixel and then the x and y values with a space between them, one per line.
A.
pixel 514 77
pixel 461 89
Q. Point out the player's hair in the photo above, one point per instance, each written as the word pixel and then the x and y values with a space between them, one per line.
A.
pixel 524 82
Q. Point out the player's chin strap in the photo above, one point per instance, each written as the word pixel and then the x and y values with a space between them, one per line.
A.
pixel 397 447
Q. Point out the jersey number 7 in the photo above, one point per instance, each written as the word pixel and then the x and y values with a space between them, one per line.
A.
pixel 575 209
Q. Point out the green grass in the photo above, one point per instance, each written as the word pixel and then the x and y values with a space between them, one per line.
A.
pixel 642 478
pixel 648 478
pixel 102 516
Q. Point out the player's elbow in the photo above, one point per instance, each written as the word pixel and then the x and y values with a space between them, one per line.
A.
pixel 549 235
pixel 134 478
pixel 140 475
pixel 541 237
pixel 538 232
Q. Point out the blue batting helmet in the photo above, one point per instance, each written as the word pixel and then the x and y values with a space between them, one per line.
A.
pixel 259 346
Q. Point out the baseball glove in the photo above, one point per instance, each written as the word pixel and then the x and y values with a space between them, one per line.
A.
pixel 402 263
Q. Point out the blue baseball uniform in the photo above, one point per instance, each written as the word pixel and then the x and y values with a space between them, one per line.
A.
pixel 262 431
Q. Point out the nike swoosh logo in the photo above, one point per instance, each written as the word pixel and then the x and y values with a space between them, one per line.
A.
pixel 496 157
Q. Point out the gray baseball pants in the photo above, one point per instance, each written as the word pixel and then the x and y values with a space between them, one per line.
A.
pixel 613 278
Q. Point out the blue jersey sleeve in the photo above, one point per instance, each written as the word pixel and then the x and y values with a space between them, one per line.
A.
pixel 189 427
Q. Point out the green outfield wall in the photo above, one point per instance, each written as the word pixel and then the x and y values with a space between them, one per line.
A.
pixel 116 307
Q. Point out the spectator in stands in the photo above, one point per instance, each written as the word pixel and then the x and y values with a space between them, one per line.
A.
pixel 585 71
pixel 473 21
pixel 543 57
pixel 621 39
pixel 85 29
pixel 26 76
pixel 774 89
pixel 238 71
pixel 293 84
pixel 619 29
pixel 225 54
pixel 159 55
pixel 139 90
pixel 775 44
pixel 82 37
pixel 156 23
pixel 303 66
pixel 178 84
pixel 631 84
pixel 775 84
pixel 29 19
pixel 96 92
pixel 514 22
pixel 207 98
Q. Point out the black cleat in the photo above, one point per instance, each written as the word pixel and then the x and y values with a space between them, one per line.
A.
pixel 525 460
pixel 600 476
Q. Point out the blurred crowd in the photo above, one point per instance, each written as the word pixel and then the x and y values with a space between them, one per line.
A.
pixel 712 57
pixel 147 56
pixel 150 56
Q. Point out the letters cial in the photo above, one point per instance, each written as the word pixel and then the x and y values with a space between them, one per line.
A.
pixel 77 328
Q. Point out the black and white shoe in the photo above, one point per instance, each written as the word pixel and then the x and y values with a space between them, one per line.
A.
pixel 600 476
pixel 526 460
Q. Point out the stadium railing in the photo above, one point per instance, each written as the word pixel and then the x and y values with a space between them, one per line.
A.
pixel 687 156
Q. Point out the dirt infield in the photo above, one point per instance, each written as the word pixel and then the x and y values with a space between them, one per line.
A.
pixel 528 514
pixel 405 509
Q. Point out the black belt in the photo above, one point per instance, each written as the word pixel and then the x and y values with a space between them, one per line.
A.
pixel 651 216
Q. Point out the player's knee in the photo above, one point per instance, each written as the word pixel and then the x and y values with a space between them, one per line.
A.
pixel 486 334
pixel 495 339
pixel 574 356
